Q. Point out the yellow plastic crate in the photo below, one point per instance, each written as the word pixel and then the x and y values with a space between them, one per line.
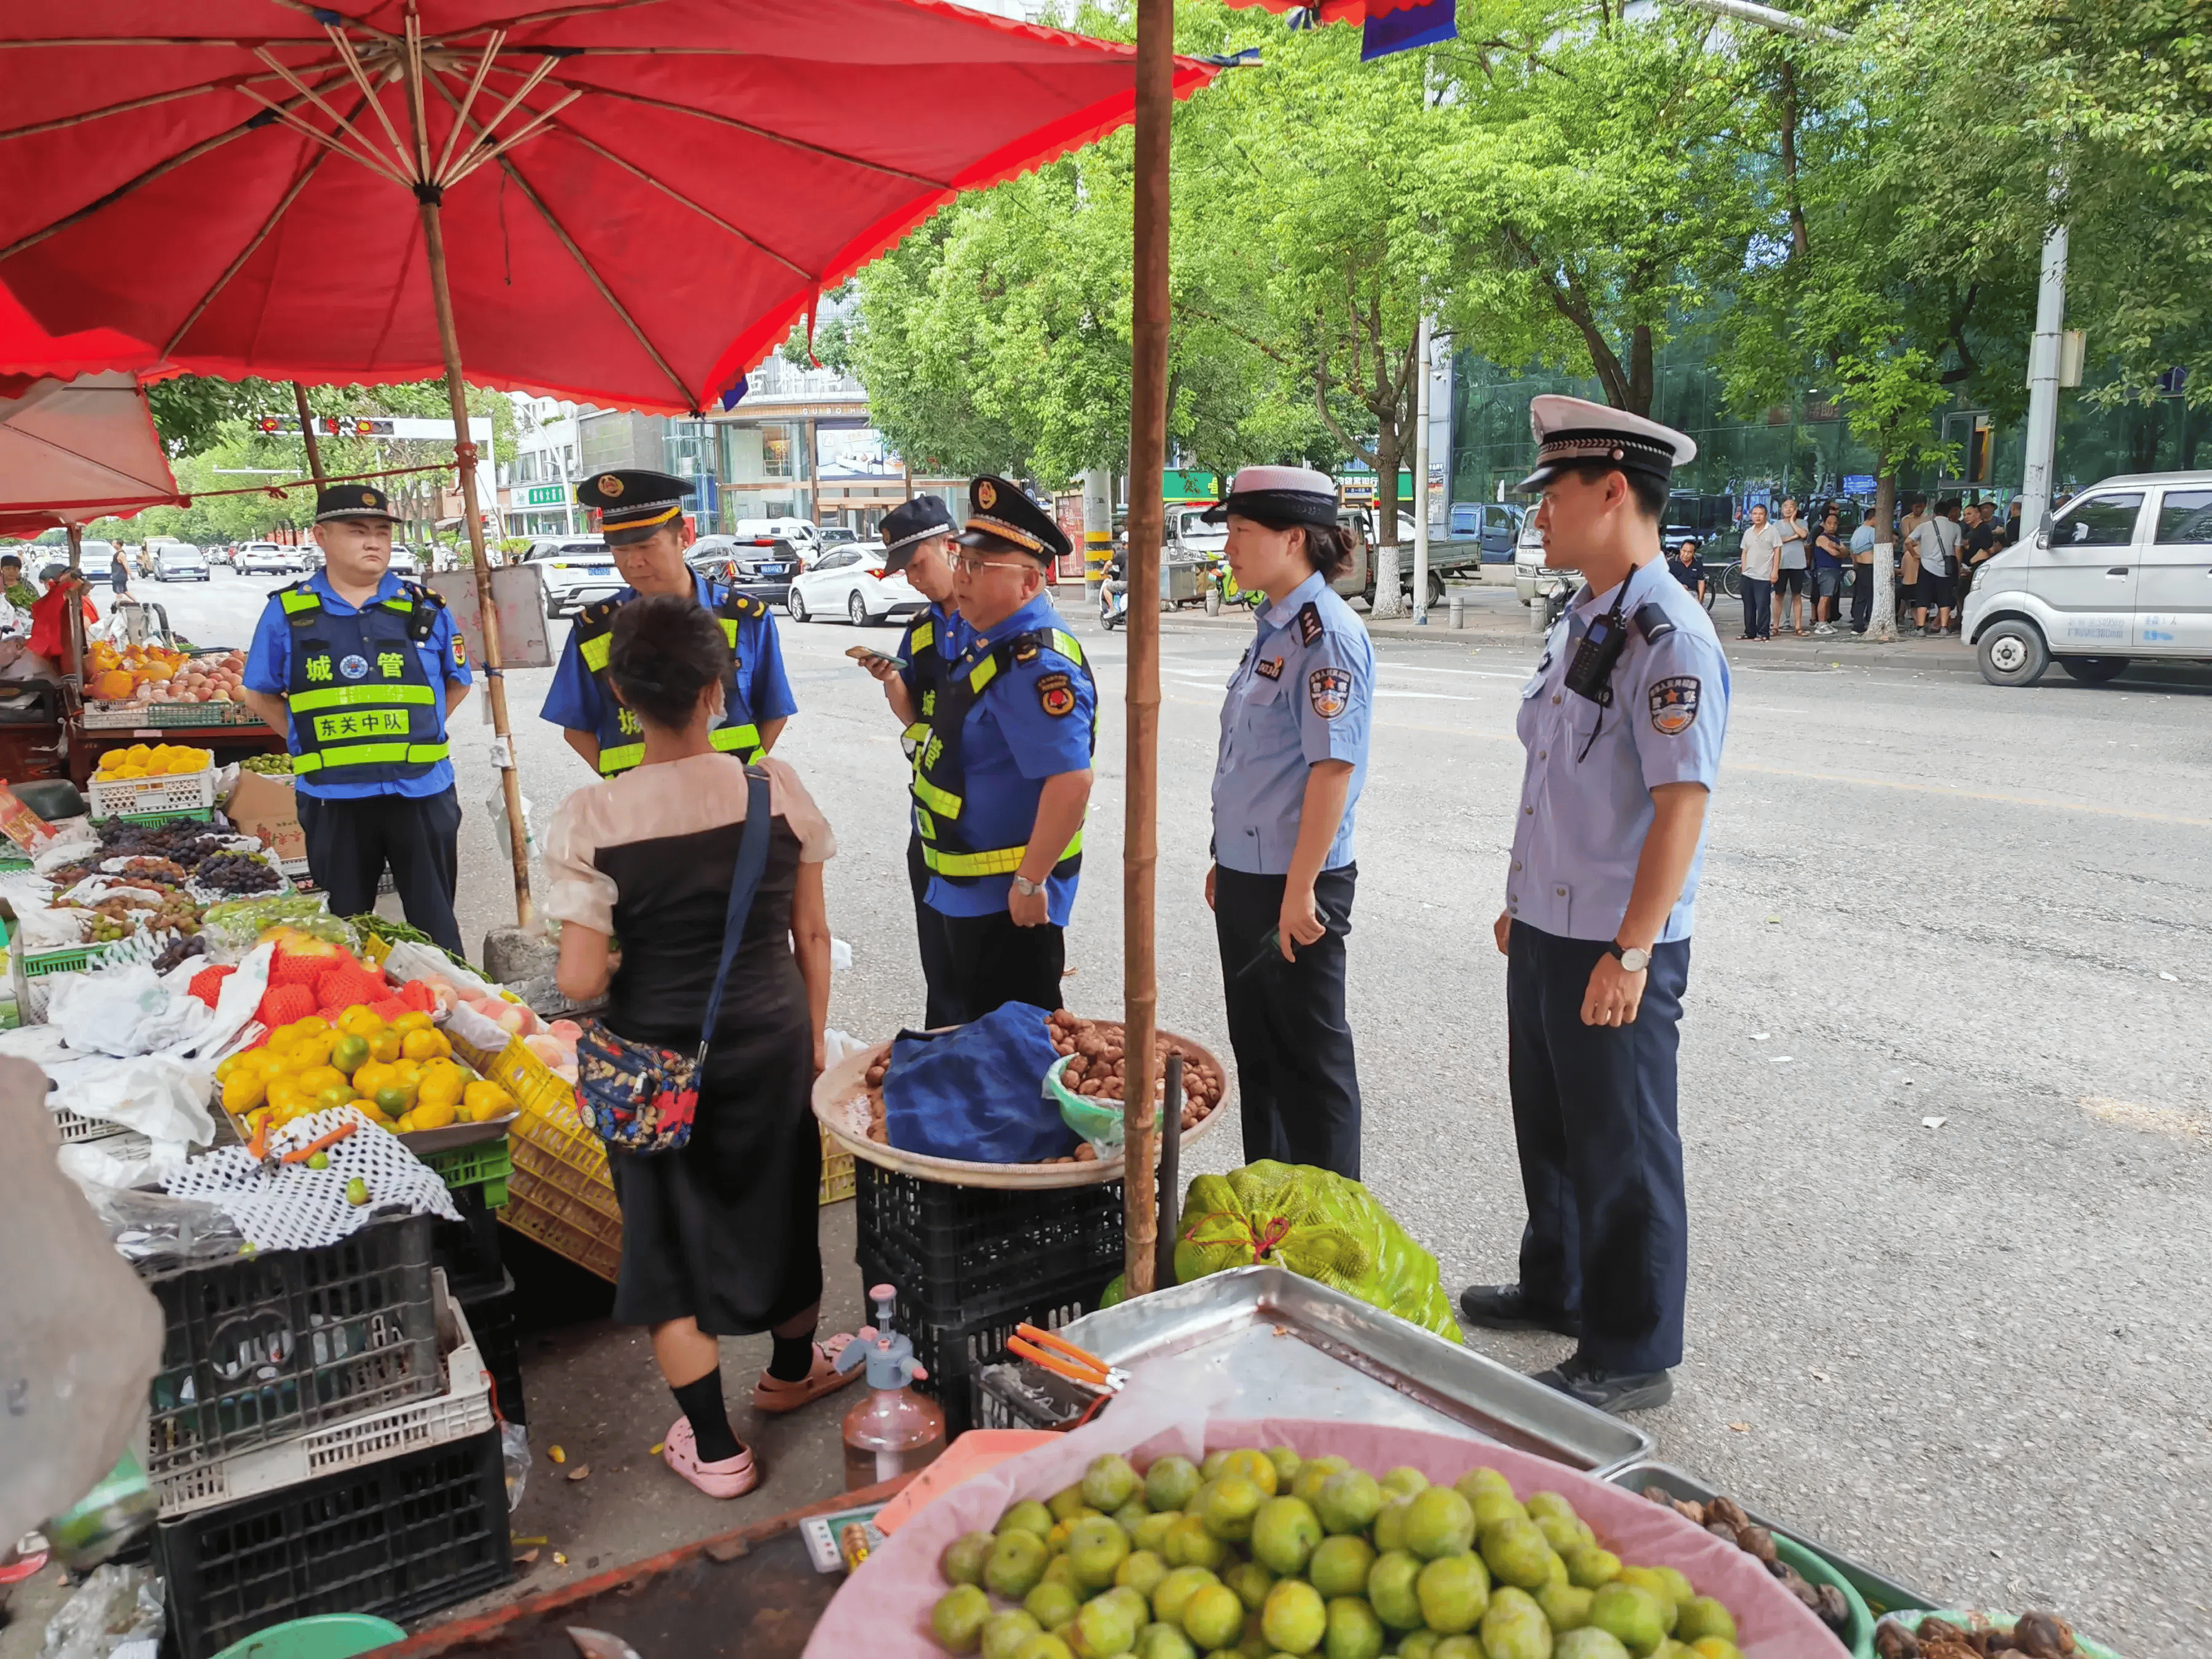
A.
pixel 836 1170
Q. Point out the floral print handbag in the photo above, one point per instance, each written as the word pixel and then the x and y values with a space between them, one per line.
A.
pixel 639 1097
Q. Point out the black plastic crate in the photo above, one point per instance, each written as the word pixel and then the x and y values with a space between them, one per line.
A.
pixel 966 1252
pixel 468 1249
pixel 955 1351
pixel 270 1345
pixel 398 1539
pixel 495 1322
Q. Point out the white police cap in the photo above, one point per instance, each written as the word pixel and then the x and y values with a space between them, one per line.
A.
pixel 1572 430
pixel 1292 495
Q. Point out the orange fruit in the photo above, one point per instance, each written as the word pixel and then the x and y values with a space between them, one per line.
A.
pixel 384 1046
pixel 421 1042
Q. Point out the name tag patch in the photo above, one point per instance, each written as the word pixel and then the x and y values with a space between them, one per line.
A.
pixel 1269 668
pixel 1675 705
pixel 1329 690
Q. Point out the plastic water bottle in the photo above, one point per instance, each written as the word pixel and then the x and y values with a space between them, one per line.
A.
pixel 894 1431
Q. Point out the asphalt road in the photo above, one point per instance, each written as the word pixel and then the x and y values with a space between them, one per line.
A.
pixel 1944 1062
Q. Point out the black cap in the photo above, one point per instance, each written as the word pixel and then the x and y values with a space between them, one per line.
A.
pixel 633 504
pixel 1000 515
pixel 352 501
pixel 910 523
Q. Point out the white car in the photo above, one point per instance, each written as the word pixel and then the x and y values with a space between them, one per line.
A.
pixel 852 580
pixel 173 562
pixel 577 571
pixel 269 559
pixel 404 562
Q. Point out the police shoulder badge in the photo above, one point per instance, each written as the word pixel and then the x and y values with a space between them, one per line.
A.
pixel 1308 622
pixel 1675 705
pixel 1026 651
pixel 1329 690
pixel 1055 696
pixel 987 493
pixel 610 486
pixel 460 651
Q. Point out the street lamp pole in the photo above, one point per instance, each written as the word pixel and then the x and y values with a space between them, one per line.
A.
pixel 2043 373
pixel 1421 479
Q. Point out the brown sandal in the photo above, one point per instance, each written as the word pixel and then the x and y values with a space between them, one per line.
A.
pixel 771 1393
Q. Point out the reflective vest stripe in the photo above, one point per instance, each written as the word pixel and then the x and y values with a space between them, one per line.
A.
pixel 940 801
pixel 1066 645
pixel 1002 861
pixel 745 740
pixel 925 824
pixel 371 754
pixel 593 651
pixel 924 635
pixel 915 734
pixel 729 631
pixel 293 600
pixel 359 697
pixel 983 674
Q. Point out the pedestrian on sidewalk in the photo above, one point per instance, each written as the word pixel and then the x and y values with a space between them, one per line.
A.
pixel 1828 559
pixel 1936 540
pixel 119 580
pixel 1761 558
pixel 719 1235
pixel 1863 540
pixel 1979 544
pixel 1790 583
pixel 1622 728
pixel 1292 756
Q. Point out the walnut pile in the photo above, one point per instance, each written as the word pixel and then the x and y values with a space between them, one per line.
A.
pixel 1725 1519
pixel 2033 1636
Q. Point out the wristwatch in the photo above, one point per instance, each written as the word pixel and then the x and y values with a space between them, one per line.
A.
pixel 1025 887
pixel 1633 960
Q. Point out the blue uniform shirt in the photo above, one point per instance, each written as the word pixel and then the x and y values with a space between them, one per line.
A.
pixel 949 635
pixel 1303 693
pixel 269 669
pixel 1580 825
pixel 575 702
pixel 1010 743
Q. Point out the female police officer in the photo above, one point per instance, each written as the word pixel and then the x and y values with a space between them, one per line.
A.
pixel 1293 754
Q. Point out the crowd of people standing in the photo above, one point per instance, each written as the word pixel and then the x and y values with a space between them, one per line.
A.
pixel 1796 567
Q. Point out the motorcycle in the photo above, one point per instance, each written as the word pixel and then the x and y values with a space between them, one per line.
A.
pixel 1112 601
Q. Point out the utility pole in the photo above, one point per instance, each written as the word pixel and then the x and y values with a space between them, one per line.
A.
pixel 1098 527
pixel 1421 480
pixel 2043 377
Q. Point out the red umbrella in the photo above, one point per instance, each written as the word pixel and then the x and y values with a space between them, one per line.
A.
pixel 625 202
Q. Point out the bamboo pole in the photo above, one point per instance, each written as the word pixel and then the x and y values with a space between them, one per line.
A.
pixel 1148 419
pixel 307 432
pixel 465 451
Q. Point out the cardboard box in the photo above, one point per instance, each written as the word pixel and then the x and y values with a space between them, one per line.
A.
pixel 264 805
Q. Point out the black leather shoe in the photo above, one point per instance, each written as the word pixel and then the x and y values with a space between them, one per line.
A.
pixel 1510 1308
pixel 1609 1391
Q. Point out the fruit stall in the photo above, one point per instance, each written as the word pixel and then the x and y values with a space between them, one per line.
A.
pixel 133 696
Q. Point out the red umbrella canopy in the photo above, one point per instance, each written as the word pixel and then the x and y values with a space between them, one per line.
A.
pixel 639 198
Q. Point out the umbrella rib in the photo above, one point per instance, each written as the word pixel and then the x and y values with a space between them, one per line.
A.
pixel 708 214
pixel 476 154
pixel 190 153
pixel 82 117
pixel 470 160
pixel 365 155
pixel 469 99
pixel 322 14
pixel 351 59
pixel 306 172
pixel 784 139
pixel 690 399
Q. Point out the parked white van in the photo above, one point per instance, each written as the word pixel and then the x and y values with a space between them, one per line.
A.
pixel 2123 570
pixel 800 532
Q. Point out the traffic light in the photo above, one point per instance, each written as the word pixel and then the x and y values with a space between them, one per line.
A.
pixel 266 423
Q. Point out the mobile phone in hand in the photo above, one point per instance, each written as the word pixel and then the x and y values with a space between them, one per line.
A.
pixel 1270 948
pixel 862 654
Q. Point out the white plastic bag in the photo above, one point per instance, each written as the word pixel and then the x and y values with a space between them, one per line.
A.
pixel 81 1336
pixel 116 1613
pixel 124 1011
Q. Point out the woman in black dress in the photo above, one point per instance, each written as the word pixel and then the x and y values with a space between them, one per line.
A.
pixel 719 1237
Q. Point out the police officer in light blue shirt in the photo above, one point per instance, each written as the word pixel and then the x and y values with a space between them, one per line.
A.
pixel 1622 723
pixel 1293 755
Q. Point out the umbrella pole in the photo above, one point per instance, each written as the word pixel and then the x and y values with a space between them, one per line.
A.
pixel 518 832
pixel 73 628
pixel 307 432
pixel 1148 422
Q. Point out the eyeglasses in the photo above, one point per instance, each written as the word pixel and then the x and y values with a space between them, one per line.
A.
pixel 969 563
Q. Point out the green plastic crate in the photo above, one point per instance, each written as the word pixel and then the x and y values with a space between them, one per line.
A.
pixel 487 1164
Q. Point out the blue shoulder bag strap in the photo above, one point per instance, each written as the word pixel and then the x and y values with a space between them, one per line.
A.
pixel 752 864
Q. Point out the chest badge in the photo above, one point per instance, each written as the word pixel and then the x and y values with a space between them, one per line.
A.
pixel 1269 668
pixel 1329 690
pixel 1675 705
pixel 355 667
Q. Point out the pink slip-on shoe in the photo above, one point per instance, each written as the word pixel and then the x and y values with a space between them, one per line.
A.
pixel 774 1395
pixel 733 1477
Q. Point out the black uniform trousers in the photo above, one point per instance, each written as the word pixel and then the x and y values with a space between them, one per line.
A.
pixel 351 841
pixel 1298 1087
pixel 1600 1158
pixel 993 962
pixel 929 935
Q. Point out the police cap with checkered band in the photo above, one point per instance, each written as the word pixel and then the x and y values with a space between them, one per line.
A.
pixel 1570 431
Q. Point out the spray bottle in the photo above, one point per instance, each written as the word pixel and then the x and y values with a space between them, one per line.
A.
pixel 894 1431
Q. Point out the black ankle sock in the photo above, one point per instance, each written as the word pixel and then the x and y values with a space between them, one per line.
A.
pixel 710 1420
pixel 793 1357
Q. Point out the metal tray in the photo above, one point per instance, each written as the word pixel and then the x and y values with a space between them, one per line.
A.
pixel 1300 1349
pixel 1881 1594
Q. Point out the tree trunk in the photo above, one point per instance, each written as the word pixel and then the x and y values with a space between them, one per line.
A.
pixel 1389 593
pixel 1883 627
pixel 1639 370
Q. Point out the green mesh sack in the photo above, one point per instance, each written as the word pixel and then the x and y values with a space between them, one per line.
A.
pixel 1320 1226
